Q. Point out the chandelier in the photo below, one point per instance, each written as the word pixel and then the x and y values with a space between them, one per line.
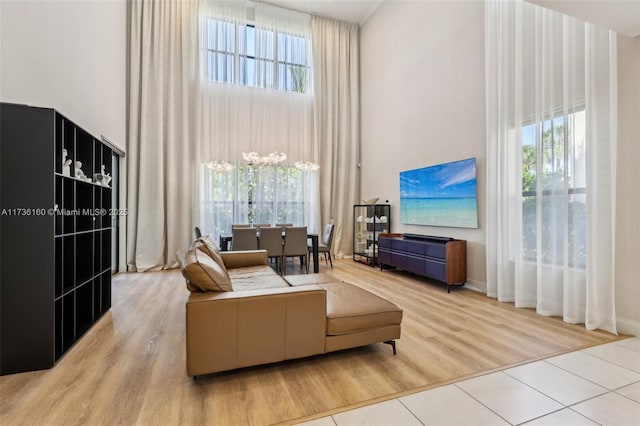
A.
pixel 306 166
pixel 219 166
pixel 270 160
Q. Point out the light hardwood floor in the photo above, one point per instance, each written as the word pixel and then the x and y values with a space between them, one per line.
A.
pixel 130 367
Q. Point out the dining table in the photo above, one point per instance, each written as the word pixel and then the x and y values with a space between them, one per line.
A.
pixel 225 239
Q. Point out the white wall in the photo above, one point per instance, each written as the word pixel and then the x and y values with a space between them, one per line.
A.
pixel 71 56
pixel 67 55
pixel 423 103
pixel 628 183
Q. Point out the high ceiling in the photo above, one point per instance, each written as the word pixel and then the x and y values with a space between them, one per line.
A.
pixel 622 16
pixel 357 11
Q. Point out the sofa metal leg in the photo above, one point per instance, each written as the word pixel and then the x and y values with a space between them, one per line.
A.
pixel 392 343
pixel 195 378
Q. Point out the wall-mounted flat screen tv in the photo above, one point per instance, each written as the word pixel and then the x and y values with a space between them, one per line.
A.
pixel 441 195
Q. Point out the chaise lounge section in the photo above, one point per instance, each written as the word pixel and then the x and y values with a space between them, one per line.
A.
pixel 261 318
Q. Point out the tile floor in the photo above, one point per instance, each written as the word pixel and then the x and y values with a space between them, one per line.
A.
pixel 599 385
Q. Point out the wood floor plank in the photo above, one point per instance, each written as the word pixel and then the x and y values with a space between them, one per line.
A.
pixel 130 367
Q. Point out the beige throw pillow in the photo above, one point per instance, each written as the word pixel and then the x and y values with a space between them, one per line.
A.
pixel 203 273
pixel 207 245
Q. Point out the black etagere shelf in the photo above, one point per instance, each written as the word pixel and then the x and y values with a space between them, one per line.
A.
pixel 56 255
pixel 369 221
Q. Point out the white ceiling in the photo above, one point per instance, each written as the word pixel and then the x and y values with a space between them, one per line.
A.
pixel 622 16
pixel 357 11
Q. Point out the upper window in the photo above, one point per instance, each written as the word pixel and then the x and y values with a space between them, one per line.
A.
pixel 247 55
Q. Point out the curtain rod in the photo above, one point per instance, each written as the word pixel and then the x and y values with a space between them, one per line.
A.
pixel 113 146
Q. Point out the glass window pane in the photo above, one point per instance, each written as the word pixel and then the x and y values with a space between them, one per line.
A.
pixel 292 49
pixel 253 194
pixel 293 78
pixel 247 72
pixel 256 49
pixel 221 65
pixel 554 219
pixel 529 162
pixel 290 205
pixel 264 44
pixel 220 36
pixel 577 150
pixel 211 33
pixel 256 73
pixel 529 230
pixel 247 42
pixel 553 153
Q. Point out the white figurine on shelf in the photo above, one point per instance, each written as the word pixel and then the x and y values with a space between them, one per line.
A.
pixel 66 164
pixel 79 173
pixel 105 176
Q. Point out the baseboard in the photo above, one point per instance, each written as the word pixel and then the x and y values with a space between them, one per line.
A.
pixel 628 326
pixel 624 325
pixel 478 286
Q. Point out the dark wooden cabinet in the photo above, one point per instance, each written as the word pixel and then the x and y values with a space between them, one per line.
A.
pixel 56 235
pixel 369 221
pixel 440 258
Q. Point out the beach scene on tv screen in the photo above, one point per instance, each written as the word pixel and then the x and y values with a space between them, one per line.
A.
pixel 441 195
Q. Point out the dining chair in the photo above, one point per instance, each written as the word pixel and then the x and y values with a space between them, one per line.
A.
pixel 262 225
pixel 325 245
pixel 244 239
pixel 284 225
pixel 240 225
pixel 271 241
pixel 295 245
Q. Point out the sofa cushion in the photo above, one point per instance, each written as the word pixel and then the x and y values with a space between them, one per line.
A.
pixel 306 279
pixel 207 245
pixel 203 273
pixel 351 309
pixel 255 278
pixel 251 272
pixel 258 283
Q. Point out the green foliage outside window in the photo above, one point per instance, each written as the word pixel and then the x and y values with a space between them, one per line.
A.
pixel 265 194
pixel 547 165
pixel 299 78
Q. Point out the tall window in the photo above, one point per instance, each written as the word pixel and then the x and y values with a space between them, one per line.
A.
pixel 554 190
pixel 248 55
pixel 255 194
pixel 255 74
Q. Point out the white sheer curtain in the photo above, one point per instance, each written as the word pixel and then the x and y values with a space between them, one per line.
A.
pixel 551 117
pixel 220 204
pixel 278 194
pixel 255 96
pixel 243 109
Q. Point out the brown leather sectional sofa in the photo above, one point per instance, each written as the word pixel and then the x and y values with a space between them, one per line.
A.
pixel 265 319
